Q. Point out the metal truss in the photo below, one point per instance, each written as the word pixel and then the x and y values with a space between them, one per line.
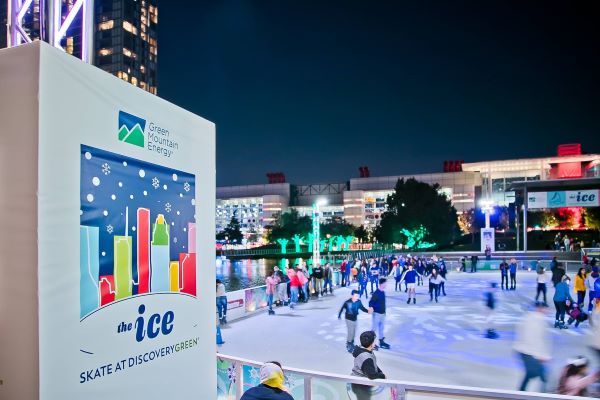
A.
pixel 54 26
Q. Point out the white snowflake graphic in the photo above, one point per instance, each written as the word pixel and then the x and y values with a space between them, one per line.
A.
pixel 186 187
pixel 105 169
pixel 254 374
pixel 109 229
pixel 174 240
pixel 155 182
pixel 168 207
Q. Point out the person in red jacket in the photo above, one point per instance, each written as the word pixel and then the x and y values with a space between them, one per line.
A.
pixel 294 287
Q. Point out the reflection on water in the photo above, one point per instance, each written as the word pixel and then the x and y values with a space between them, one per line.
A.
pixel 242 274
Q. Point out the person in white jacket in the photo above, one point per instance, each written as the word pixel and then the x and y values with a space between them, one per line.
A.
pixel 533 345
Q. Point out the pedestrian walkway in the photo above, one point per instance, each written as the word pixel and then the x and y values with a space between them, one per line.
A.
pixel 431 343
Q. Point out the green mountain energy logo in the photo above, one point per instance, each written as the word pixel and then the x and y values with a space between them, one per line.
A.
pixel 131 129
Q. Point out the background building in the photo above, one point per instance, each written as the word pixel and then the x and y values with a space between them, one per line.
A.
pixel 125 40
pixel 362 201
pixel 124 36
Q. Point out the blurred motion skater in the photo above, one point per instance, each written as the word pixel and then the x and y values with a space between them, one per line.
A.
pixel 533 346
pixel 490 305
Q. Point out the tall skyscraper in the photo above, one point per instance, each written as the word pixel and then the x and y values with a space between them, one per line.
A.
pixel 125 40
pixel 124 35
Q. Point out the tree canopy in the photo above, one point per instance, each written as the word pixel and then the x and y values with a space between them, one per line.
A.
pixel 414 204
pixel 288 224
pixel 337 226
pixel 232 231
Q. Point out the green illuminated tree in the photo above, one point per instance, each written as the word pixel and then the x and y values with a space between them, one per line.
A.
pixel 414 204
pixel 309 241
pixel 347 240
pixel 283 243
pixel 297 239
pixel 232 231
pixel 322 244
pixel 330 243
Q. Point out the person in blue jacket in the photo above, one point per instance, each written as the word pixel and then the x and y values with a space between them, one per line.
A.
pixel 513 274
pixel 410 277
pixel 271 384
pixel 561 295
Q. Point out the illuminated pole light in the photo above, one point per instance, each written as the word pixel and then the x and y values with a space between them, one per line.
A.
pixel 316 216
pixel 487 207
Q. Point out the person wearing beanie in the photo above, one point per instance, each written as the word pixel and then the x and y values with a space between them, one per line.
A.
pixel 352 307
pixel 271 384
pixel 561 295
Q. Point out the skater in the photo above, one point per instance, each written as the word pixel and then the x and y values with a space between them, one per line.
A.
pixel 580 285
pixel 541 279
pixel 282 287
pixel 374 275
pixel 377 303
pixel 463 264
pixel 434 284
pixel 504 274
pixel 557 274
pixel 317 277
pixel 303 278
pixel 351 307
pixel 410 277
pixel 420 271
pixel 271 384
pixel 561 295
pixel 533 345
pixel 474 260
pixel 575 314
pixel 221 302
pixel 365 365
pixel 328 277
pixel 513 273
pixel 396 273
pixel 219 337
pixel 442 270
pixel 363 279
pixel 272 281
pixel 294 287
pixel 590 283
pixel 490 304
pixel 343 266
pixel 574 379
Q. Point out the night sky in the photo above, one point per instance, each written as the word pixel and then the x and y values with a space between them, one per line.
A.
pixel 316 89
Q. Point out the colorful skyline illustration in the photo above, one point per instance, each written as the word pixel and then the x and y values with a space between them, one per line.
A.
pixel 138 231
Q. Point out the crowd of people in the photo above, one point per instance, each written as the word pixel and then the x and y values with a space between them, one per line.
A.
pixel 574 301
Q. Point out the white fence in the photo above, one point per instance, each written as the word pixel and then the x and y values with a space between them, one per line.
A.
pixel 236 375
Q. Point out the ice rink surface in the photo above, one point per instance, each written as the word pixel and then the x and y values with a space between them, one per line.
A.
pixel 430 343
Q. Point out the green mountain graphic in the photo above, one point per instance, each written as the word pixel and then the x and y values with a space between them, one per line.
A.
pixel 134 136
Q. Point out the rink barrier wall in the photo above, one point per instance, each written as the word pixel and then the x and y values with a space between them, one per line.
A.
pixel 246 302
pixel 236 375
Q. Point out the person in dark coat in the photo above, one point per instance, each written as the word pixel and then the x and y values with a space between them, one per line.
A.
pixel 271 384
pixel 365 365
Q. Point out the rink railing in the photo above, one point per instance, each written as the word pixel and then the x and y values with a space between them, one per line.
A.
pixel 236 375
